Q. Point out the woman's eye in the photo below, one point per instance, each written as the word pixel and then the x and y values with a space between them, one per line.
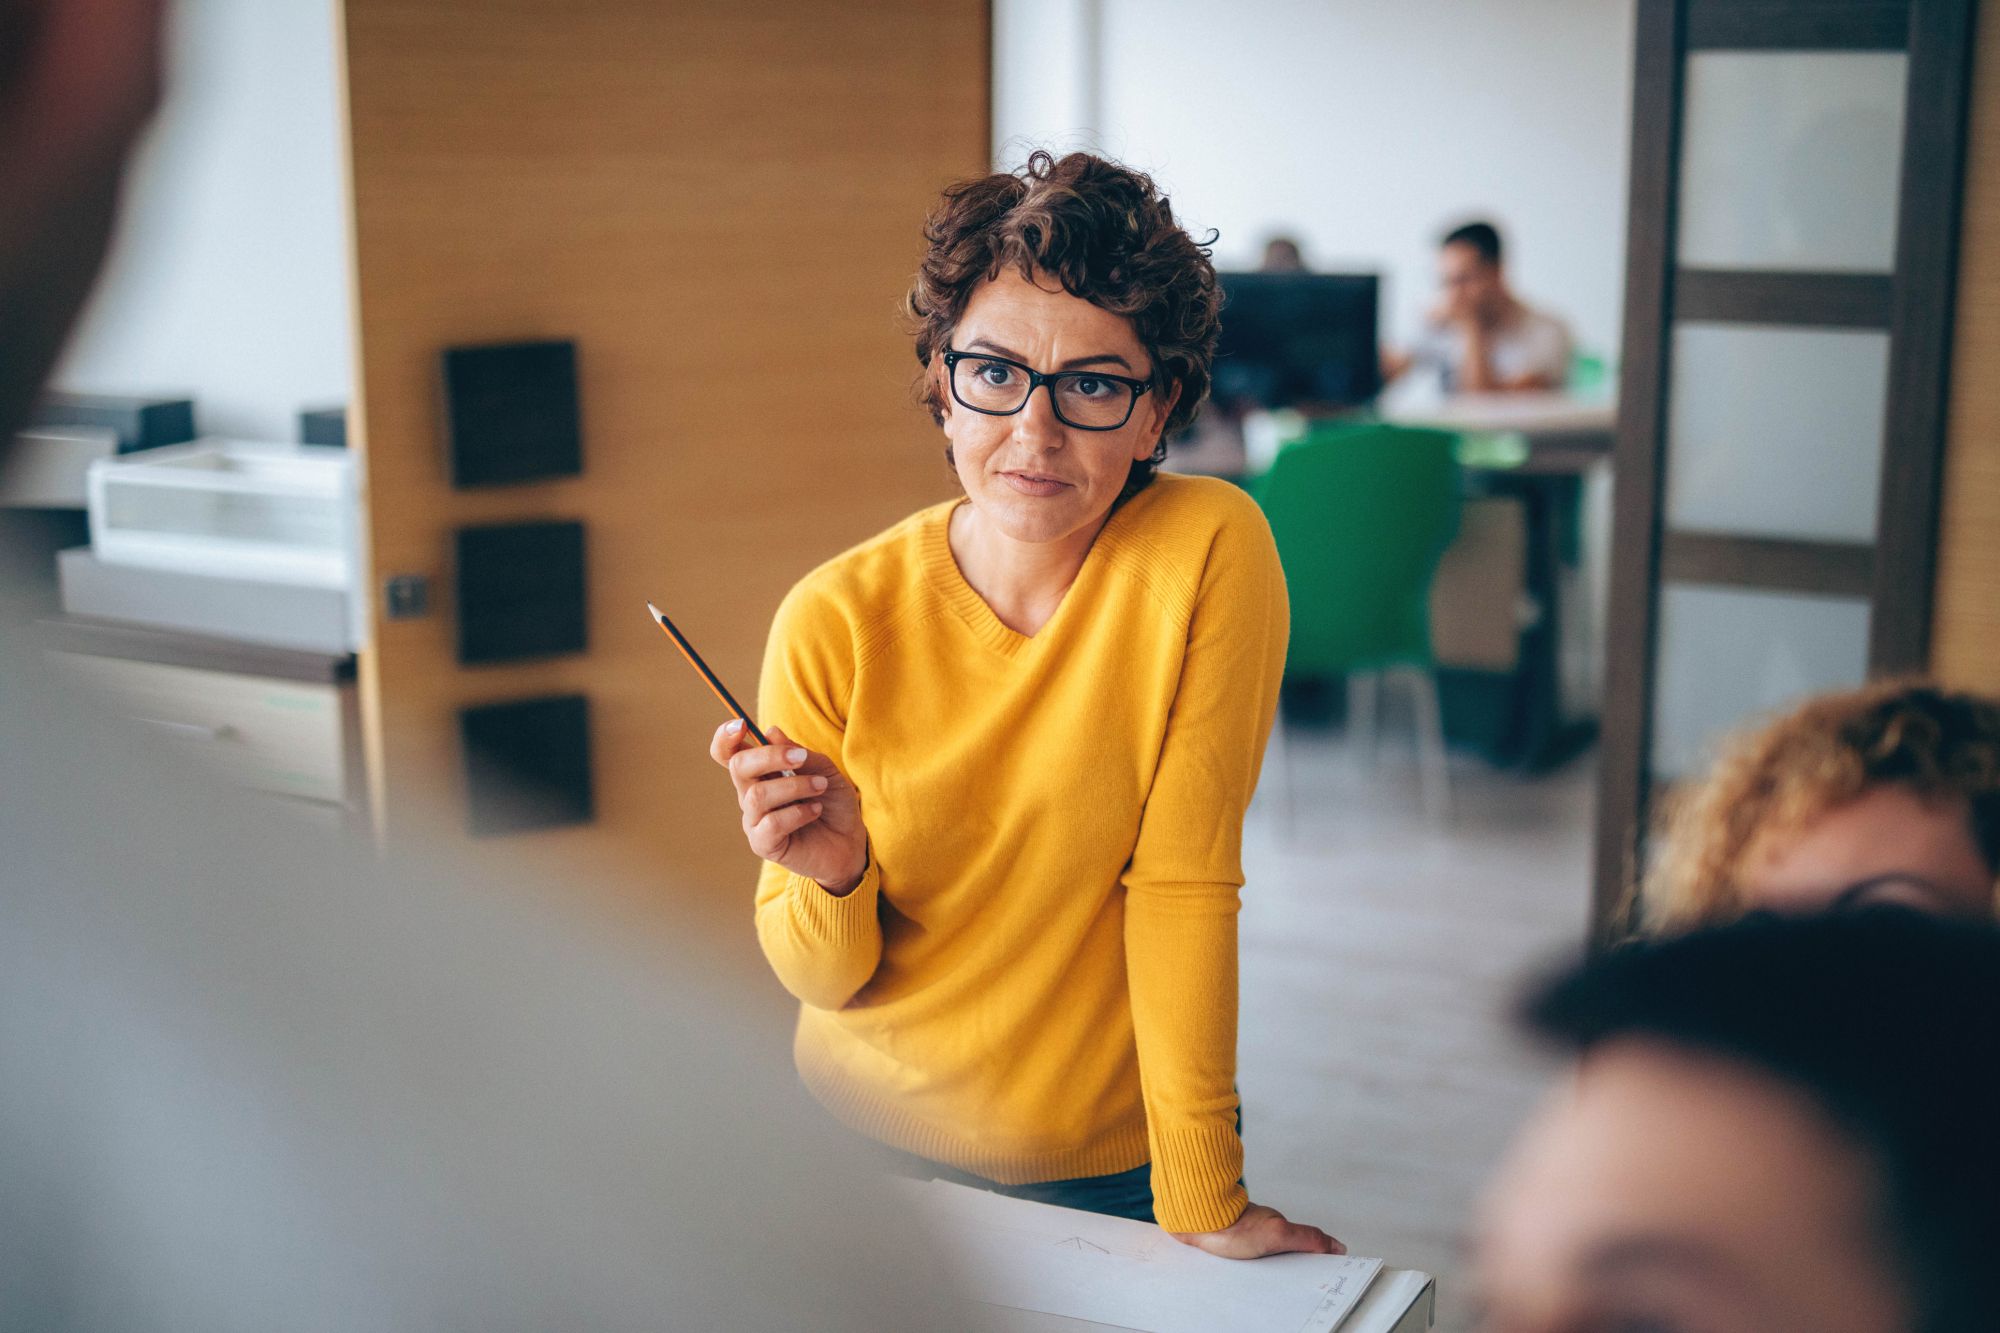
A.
pixel 1092 388
pixel 996 374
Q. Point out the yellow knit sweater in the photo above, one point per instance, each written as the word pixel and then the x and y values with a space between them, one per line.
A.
pixel 1036 978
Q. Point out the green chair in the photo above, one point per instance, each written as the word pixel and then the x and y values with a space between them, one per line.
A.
pixel 1362 514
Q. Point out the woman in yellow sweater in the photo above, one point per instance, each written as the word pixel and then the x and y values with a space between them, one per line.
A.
pixel 1025 726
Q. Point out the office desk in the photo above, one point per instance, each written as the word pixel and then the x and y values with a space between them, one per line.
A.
pixel 1549 454
pixel 1552 432
pixel 1514 604
pixel 1539 414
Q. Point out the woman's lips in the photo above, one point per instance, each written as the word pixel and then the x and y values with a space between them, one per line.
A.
pixel 1028 484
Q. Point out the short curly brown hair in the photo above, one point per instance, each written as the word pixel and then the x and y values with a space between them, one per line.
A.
pixel 1940 745
pixel 1102 230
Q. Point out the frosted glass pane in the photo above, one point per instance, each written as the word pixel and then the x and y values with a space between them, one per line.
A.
pixel 1790 160
pixel 1776 432
pixel 1727 656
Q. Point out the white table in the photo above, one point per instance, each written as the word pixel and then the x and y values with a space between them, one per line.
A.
pixel 1529 413
pixel 1018 1261
pixel 1401 1300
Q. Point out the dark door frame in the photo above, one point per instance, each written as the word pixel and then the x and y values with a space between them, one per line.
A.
pixel 1914 305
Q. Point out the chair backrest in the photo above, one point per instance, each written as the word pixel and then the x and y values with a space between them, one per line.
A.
pixel 1361 514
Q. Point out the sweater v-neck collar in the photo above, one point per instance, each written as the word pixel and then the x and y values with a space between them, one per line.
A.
pixel 964 599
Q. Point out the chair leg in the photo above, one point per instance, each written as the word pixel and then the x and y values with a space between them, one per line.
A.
pixel 1433 765
pixel 1364 699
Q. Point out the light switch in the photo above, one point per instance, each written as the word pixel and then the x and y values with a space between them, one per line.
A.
pixel 406 597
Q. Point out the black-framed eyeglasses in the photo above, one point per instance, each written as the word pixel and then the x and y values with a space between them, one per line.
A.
pixel 1893 890
pixel 1083 399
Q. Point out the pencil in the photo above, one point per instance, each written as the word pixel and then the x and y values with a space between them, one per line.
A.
pixel 714 681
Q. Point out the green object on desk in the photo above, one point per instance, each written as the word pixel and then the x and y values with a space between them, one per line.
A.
pixel 1588 374
pixel 1361 514
pixel 1494 450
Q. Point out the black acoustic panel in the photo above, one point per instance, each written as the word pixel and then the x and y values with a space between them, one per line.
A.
pixel 527 764
pixel 511 413
pixel 323 425
pixel 520 591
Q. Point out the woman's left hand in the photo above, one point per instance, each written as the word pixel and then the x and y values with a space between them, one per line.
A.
pixel 1261 1231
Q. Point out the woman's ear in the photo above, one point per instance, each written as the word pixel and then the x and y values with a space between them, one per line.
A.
pixel 1157 426
pixel 940 391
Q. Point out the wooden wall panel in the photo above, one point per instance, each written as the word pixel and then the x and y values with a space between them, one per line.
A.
pixel 722 205
pixel 1965 640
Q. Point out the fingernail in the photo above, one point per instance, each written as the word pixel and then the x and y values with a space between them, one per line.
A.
pixel 795 756
pixel 734 726
pixel 817 807
pixel 819 784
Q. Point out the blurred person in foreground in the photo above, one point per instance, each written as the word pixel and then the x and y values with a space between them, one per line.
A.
pixel 251 1079
pixel 79 79
pixel 1481 337
pixel 1003 863
pixel 1779 1124
pixel 1887 793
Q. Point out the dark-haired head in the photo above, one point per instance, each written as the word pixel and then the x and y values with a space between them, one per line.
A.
pixel 1865 1045
pixel 1483 238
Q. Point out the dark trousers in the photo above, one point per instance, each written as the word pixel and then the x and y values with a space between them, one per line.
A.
pixel 1120 1194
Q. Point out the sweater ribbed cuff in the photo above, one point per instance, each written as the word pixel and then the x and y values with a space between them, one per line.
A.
pixel 1198 1178
pixel 846 919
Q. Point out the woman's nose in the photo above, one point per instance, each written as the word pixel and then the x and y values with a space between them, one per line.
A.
pixel 1037 422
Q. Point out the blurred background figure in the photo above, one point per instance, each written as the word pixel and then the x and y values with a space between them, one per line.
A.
pixel 1282 255
pixel 1779 1124
pixel 1889 793
pixel 1481 337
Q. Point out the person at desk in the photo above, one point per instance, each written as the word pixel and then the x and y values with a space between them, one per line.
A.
pixel 1025 726
pixel 1480 337
pixel 1282 254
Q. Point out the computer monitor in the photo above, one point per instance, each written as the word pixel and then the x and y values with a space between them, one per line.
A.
pixel 1297 339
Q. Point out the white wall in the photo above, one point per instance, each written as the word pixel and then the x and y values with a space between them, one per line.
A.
pixel 228 282
pixel 1363 127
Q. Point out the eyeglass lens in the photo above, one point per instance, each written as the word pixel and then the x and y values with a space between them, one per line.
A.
pixel 1083 399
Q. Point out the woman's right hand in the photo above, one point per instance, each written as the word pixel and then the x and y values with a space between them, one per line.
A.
pixel 809 823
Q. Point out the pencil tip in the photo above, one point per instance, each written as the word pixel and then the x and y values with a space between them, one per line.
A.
pixel 654 609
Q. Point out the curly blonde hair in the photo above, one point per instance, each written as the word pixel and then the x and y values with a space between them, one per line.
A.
pixel 1777 778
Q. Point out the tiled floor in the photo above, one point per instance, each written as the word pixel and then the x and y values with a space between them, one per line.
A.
pixel 1380 953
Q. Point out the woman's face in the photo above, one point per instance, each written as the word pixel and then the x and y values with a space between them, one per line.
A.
pixel 1885 846
pixel 1032 477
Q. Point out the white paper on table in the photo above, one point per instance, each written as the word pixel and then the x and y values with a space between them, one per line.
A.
pixel 1387 1301
pixel 1111 1270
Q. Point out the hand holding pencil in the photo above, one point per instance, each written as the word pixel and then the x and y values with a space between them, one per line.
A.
pixel 799 810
